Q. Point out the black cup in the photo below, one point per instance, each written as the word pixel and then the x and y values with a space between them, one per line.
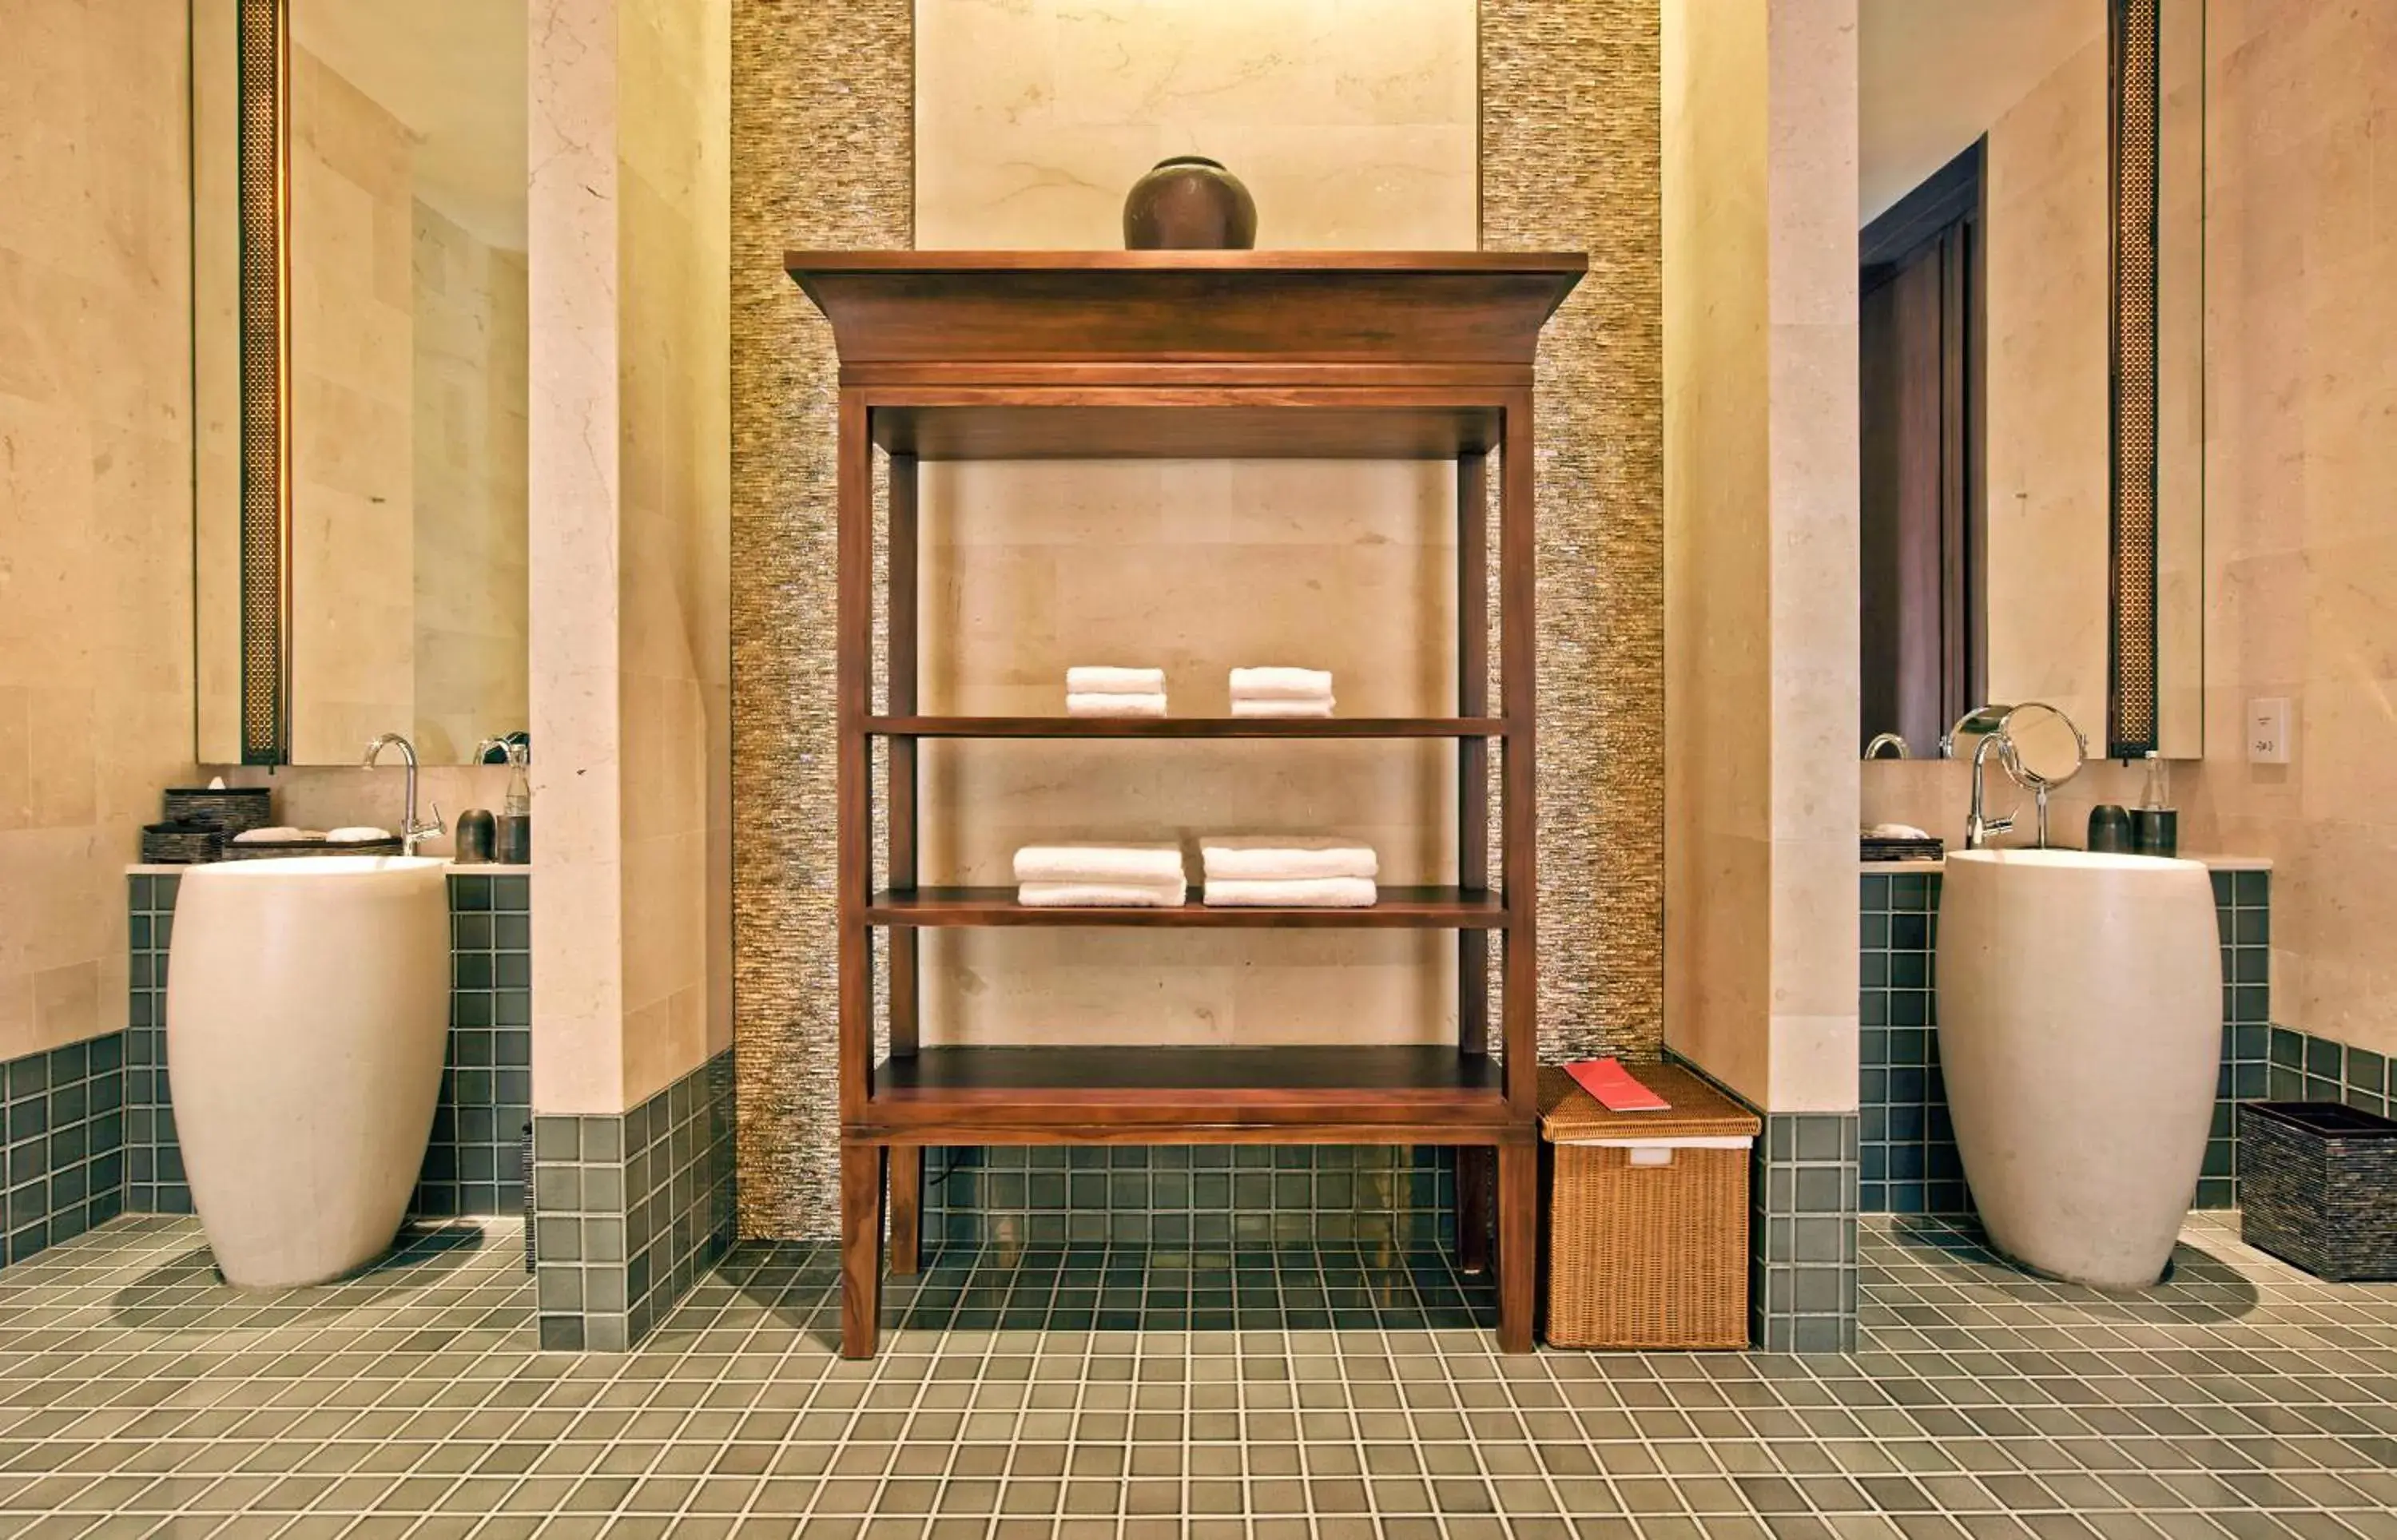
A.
pixel 2155 831
pixel 2110 830
pixel 476 836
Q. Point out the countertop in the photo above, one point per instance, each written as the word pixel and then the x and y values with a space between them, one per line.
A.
pixel 2216 863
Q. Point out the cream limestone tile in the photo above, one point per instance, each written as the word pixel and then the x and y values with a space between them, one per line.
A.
pixel 66 1004
pixel 665 918
pixel 1718 985
pixel 1814 920
pixel 1076 988
pixel 1352 125
pixel 16 759
pixel 1815 1062
pixel 58 724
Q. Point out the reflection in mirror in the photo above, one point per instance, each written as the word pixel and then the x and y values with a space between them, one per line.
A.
pixel 1985 312
pixel 405 407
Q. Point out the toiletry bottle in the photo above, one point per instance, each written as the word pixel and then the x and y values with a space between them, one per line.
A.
pixel 2155 827
pixel 516 813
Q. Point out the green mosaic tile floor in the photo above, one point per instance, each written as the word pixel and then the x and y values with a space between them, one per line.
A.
pixel 1322 1394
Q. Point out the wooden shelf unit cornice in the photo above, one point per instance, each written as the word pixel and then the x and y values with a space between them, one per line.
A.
pixel 1046 355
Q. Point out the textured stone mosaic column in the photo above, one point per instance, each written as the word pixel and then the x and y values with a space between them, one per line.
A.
pixel 1570 160
pixel 822 156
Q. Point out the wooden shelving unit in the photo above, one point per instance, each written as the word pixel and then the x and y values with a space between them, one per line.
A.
pixel 1044 355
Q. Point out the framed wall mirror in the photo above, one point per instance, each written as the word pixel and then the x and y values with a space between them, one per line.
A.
pixel 359 368
pixel 2031 251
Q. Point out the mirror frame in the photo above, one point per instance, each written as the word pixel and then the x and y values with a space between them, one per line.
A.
pixel 263 335
pixel 2134 46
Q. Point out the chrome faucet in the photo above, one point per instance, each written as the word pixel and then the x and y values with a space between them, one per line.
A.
pixel 410 832
pixel 1886 740
pixel 1978 827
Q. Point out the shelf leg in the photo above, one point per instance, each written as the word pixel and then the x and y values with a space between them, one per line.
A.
pixel 1519 1242
pixel 1473 1209
pixel 861 1248
pixel 906 1209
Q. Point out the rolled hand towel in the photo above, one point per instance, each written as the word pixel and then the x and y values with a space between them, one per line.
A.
pixel 1153 864
pixel 1102 895
pixel 1114 705
pixel 1317 893
pixel 1271 707
pixel 1282 683
pixel 279 834
pixel 1281 857
pixel 359 834
pixel 1104 681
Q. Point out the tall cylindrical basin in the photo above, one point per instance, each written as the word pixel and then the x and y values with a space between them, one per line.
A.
pixel 2080 1035
pixel 307 1014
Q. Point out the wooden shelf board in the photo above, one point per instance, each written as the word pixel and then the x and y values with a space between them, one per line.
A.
pixel 1399 908
pixel 1185 727
pixel 1413 1087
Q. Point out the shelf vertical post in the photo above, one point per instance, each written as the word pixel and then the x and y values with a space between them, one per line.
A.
pixel 1473 829
pixel 1518 1162
pixel 1518 664
pixel 861 1160
pixel 906 1162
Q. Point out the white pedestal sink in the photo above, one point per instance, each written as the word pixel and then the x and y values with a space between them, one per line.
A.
pixel 307 1011
pixel 2079 1034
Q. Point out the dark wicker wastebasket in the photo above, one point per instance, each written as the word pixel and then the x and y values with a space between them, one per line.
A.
pixel 2318 1187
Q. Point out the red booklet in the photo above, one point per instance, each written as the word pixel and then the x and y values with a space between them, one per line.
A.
pixel 1613 1086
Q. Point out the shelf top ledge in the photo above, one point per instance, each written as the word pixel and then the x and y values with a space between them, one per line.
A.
pixel 1147 308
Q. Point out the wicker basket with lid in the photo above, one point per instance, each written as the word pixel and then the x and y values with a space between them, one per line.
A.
pixel 1647 1238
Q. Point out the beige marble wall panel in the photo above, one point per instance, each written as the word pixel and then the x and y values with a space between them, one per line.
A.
pixel 95 495
pixel 2301 565
pixel 1717 496
pixel 1760 547
pixel 674 142
pixel 2048 454
pixel 351 416
pixel 1193 567
pixel 1810 158
pixel 468 460
pixel 574 607
pixel 1351 122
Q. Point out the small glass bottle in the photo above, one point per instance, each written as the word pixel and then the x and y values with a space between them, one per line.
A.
pixel 514 842
pixel 2155 827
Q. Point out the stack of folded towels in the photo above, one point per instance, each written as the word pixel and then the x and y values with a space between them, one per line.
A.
pixel 1278 871
pixel 1281 693
pixel 1096 876
pixel 1098 692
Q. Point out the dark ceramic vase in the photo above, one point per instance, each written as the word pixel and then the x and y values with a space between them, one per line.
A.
pixel 1188 203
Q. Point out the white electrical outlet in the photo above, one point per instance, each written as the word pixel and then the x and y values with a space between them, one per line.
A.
pixel 2268 731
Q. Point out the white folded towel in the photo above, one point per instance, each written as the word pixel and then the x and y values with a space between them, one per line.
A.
pixel 1282 858
pixel 1105 681
pixel 1314 893
pixel 1099 863
pixel 359 834
pixel 1102 895
pixel 1282 683
pixel 1273 706
pixel 1104 705
pixel 279 834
